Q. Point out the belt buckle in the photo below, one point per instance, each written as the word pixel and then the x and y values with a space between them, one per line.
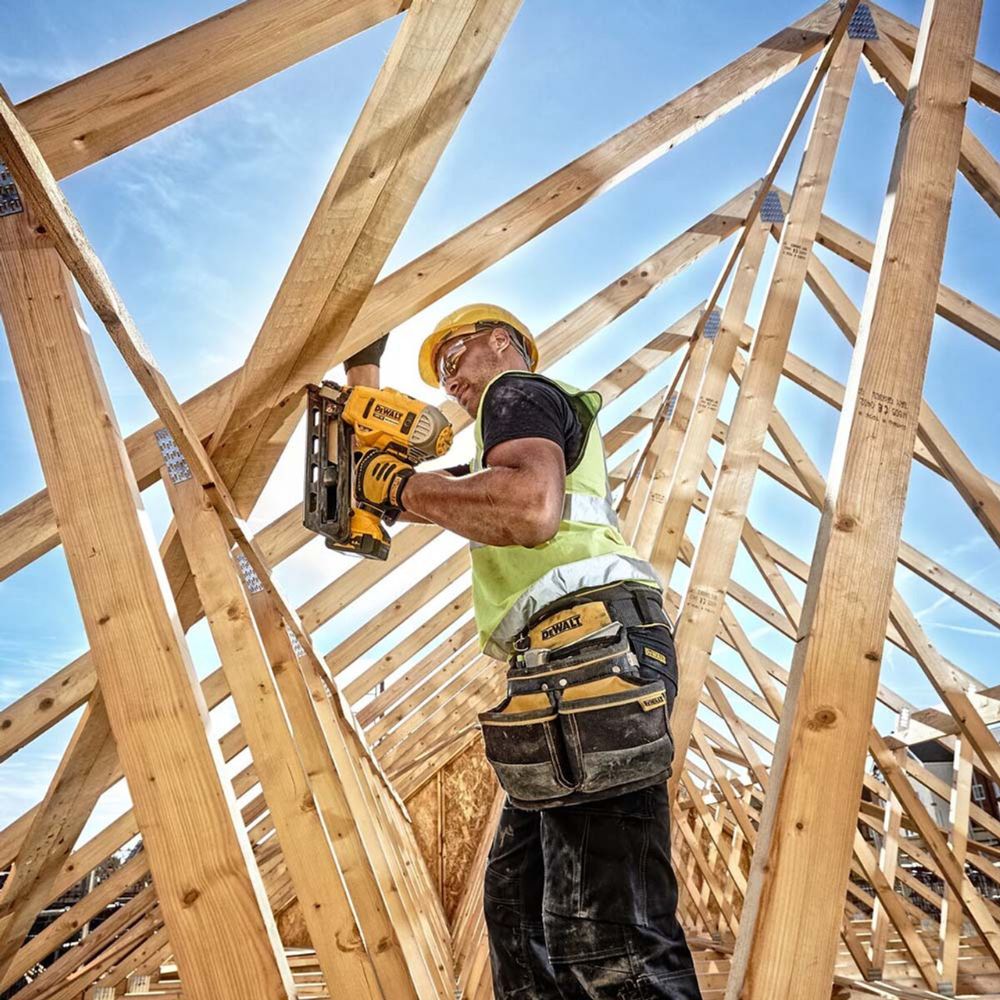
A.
pixel 533 658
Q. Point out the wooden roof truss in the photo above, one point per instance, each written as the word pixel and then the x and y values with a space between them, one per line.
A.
pixel 347 854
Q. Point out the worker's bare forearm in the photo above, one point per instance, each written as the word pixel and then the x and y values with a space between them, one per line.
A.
pixel 499 506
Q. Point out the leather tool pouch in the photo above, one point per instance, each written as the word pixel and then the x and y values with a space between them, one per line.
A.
pixel 580 725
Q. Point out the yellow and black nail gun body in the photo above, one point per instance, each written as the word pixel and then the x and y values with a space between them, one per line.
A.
pixel 342 423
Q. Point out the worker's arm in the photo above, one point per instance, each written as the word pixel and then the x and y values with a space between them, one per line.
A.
pixel 363 375
pixel 517 500
pixel 409 517
pixel 363 368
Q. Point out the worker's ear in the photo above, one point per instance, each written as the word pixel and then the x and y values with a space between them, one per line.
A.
pixel 499 339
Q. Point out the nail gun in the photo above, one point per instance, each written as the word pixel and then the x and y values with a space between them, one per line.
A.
pixel 342 423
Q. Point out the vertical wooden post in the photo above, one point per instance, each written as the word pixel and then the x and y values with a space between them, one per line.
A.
pixel 206 879
pixel 787 945
pixel 888 860
pixel 951 908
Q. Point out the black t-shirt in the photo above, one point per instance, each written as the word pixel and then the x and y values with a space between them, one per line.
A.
pixel 517 406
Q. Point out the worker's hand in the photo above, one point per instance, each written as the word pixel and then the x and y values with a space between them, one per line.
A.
pixel 379 481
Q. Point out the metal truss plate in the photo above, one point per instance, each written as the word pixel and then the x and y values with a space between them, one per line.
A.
pixel 671 404
pixel 862 23
pixel 771 210
pixel 712 324
pixel 10 198
pixel 250 578
pixel 296 645
pixel 177 468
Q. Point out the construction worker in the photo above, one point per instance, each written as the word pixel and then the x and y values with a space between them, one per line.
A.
pixel 580 896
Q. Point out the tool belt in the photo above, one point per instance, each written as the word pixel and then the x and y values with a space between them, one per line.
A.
pixel 579 722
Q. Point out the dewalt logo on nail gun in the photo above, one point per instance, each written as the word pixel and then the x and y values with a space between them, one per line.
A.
pixel 387 413
pixel 564 626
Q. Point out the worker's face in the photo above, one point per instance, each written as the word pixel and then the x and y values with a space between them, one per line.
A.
pixel 466 368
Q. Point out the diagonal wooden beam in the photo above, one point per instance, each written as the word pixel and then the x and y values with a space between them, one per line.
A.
pixel 97 114
pixel 68 923
pixel 203 871
pixel 73 792
pixel 788 941
pixel 893 905
pixel 985 87
pixel 952 872
pixel 975 489
pixel 950 305
pixel 431 73
pixel 951 687
pixel 292 797
pixel 978 165
pixel 710 573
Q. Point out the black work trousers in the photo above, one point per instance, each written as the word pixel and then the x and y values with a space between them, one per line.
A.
pixel 580 903
pixel 580 900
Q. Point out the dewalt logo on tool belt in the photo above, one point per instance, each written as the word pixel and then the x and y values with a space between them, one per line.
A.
pixel 559 627
pixel 654 654
pixel 653 701
pixel 587 617
pixel 383 412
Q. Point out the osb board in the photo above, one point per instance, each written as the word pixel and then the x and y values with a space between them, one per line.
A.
pixel 469 787
pixel 424 811
pixel 448 814
pixel 292 927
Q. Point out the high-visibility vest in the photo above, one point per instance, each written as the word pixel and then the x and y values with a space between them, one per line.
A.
pixel 512 583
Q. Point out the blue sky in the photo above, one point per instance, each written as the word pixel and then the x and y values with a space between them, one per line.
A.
pixel 197 224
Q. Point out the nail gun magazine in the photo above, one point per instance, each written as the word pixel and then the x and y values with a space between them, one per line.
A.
pixel 342 425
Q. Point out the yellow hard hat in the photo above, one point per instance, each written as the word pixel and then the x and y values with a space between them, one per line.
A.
pixel 464 321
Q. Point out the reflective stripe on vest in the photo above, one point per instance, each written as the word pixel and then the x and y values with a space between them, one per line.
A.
pixel 512 583
pixel 585 508
pixel 557 583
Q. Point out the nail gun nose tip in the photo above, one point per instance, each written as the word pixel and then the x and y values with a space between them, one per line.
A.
pixel 444 440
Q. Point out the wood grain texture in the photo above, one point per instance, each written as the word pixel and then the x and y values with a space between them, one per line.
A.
pixel 788 943
pixel 977 163
pixel 206 879
pixel 97 114
pixel 431 73
pixel 81 777
pixel 305 842
pixel 712 567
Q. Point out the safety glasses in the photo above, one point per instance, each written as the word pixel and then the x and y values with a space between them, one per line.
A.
pixel 453 349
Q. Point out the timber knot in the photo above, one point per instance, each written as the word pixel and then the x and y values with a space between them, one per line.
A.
pixel 823 719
